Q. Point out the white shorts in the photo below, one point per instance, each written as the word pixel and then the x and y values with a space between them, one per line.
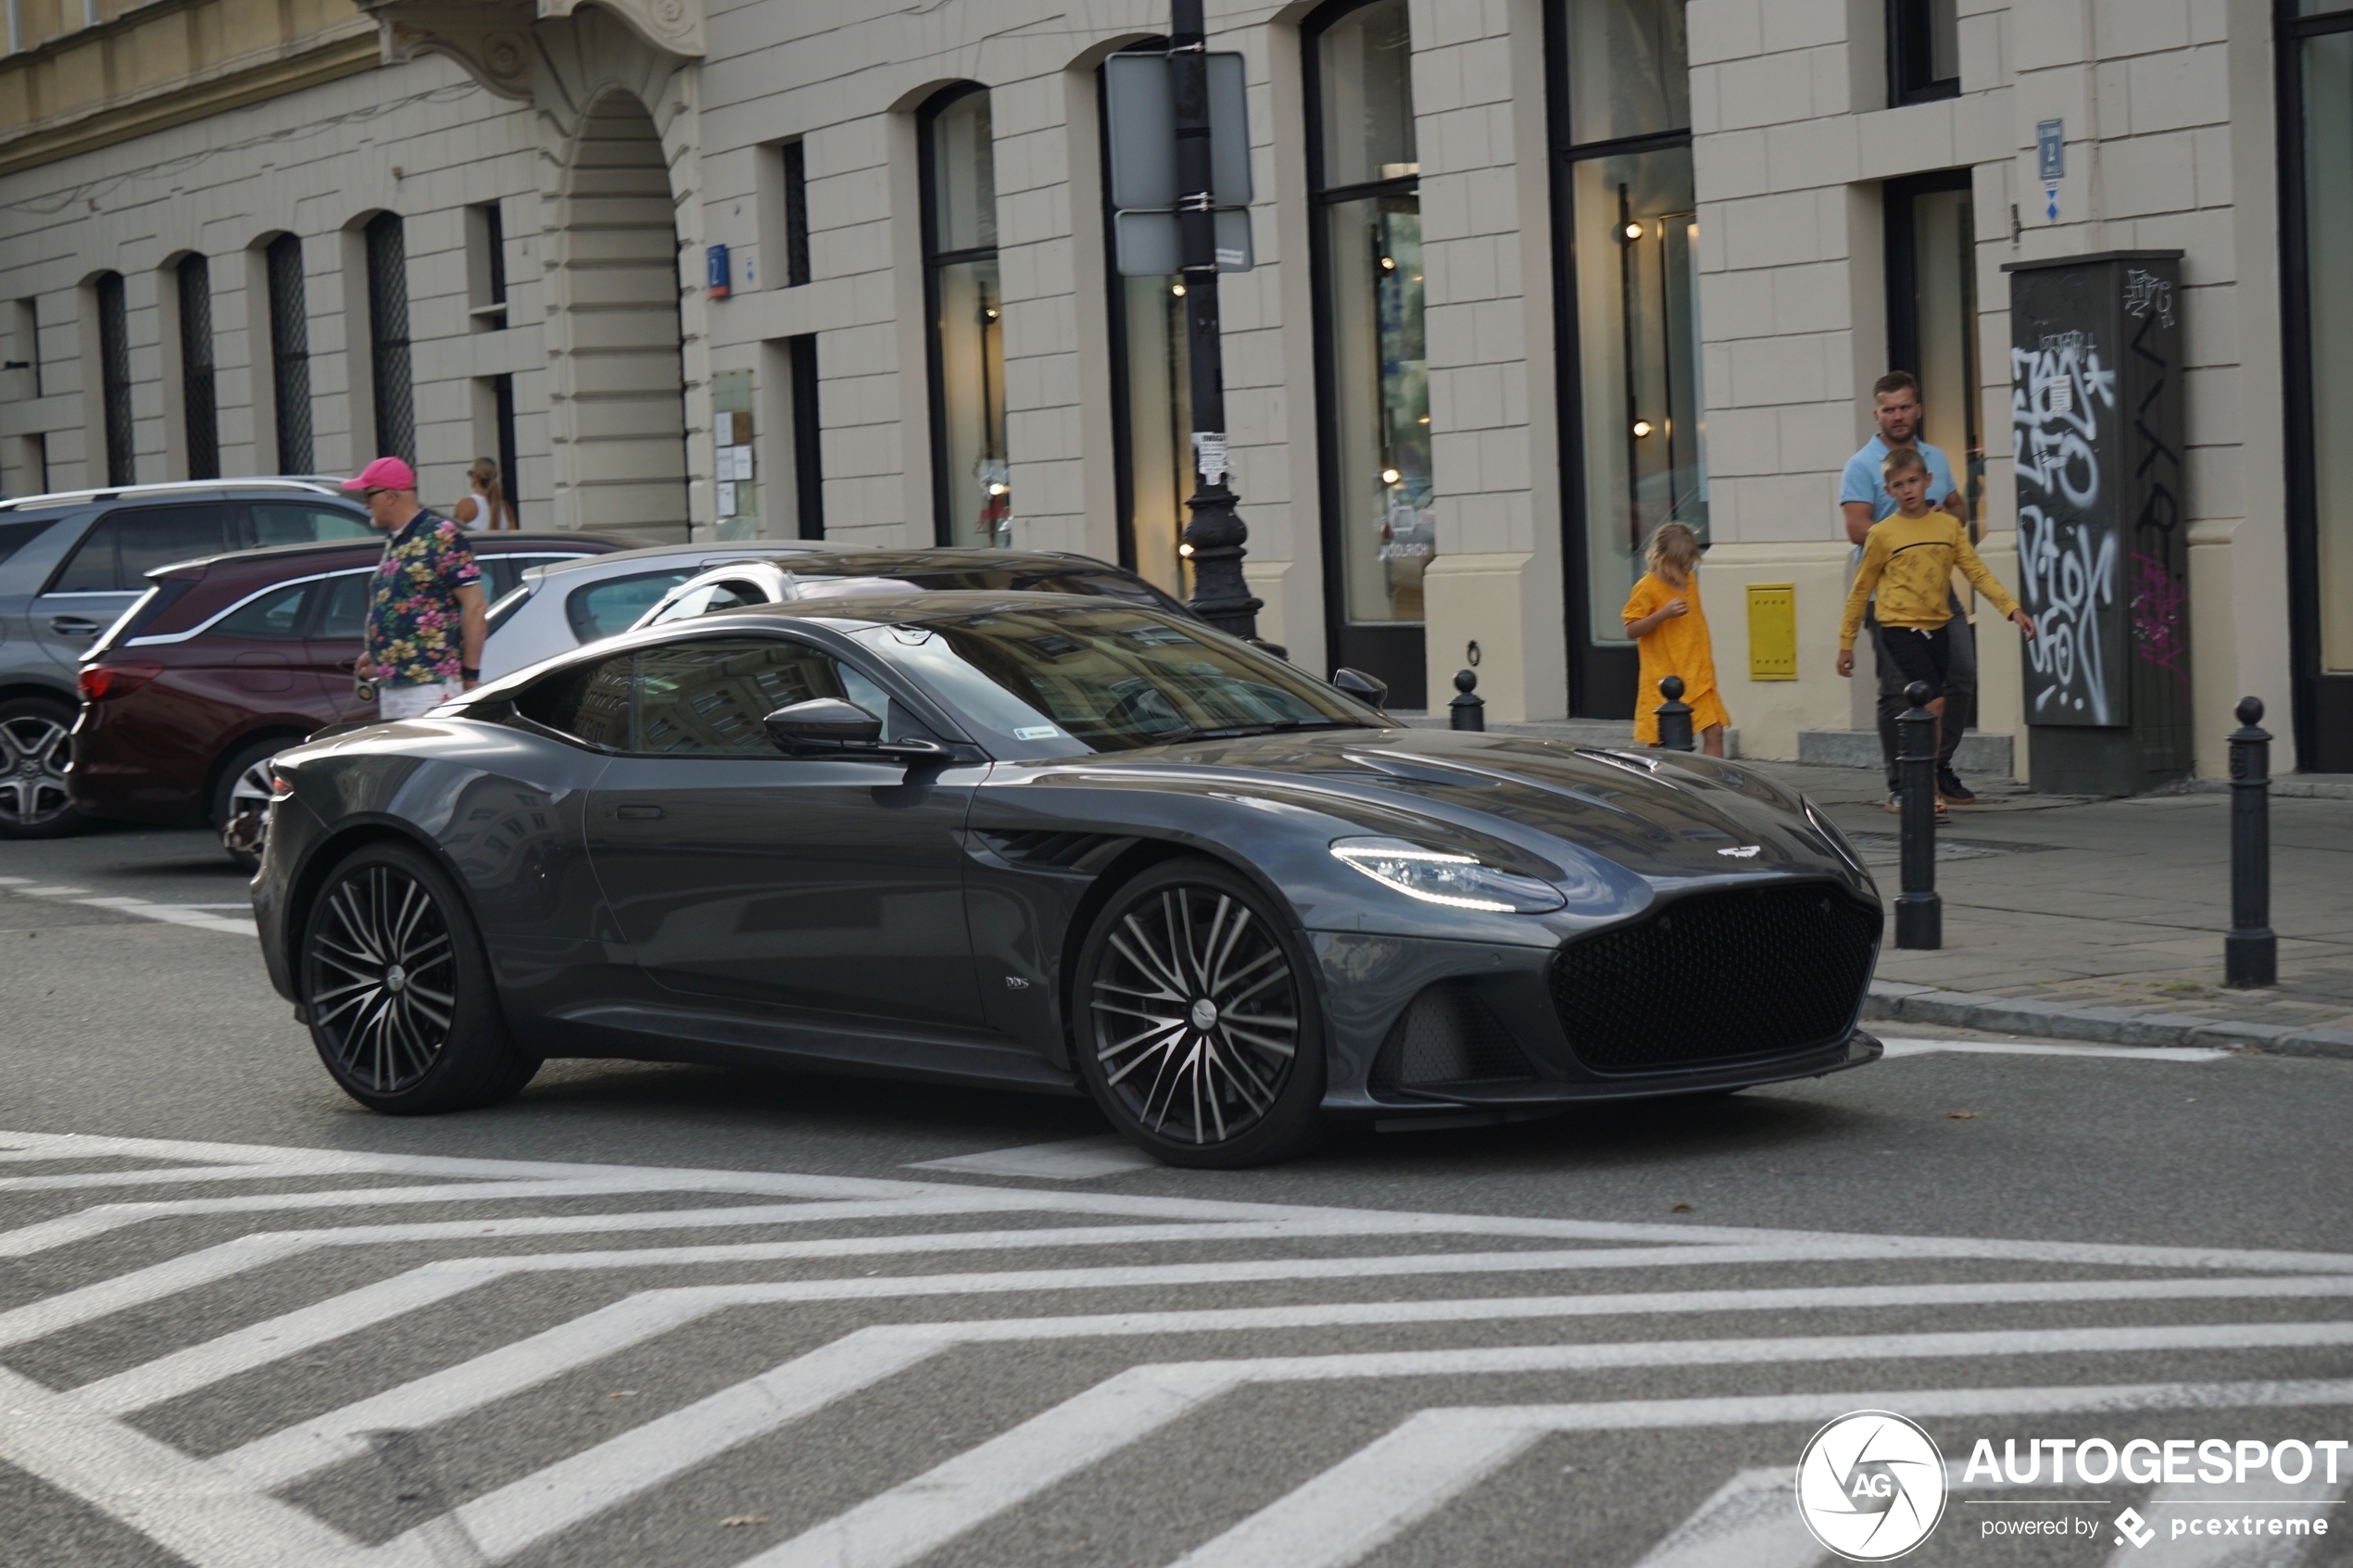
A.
pixel 406 702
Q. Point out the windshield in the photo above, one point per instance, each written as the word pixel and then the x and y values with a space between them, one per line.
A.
pixel 813 581
pixel 1093 677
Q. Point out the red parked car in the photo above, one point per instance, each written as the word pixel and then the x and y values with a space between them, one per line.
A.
pixel 231 659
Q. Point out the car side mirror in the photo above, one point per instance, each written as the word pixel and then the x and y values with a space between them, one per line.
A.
pixel 1358 684
pixel 826 723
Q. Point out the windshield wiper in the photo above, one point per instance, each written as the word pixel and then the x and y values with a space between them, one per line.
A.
pixel 1284 726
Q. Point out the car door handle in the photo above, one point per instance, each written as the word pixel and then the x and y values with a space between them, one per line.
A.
pixel 638 813
pixel 73 626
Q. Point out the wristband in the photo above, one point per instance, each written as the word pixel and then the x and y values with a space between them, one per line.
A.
pixel 469 672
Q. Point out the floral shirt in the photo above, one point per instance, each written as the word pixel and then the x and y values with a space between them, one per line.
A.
pixel 415 629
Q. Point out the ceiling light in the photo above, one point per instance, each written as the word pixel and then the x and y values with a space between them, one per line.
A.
pixel 1633 230
pixel 1388 476
pixel 1642 428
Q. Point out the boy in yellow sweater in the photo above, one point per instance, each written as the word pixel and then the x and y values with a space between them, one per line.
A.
pixel 1908 558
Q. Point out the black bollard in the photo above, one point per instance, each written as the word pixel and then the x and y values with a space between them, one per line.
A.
pixel 1468 710
pixel 1919 912
pixel 1674 716
pixel 2250 953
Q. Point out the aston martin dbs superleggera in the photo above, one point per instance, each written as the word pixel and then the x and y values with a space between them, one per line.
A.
pixel 1047 843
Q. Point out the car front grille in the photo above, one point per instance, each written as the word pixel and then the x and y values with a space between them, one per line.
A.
pixel 1714 976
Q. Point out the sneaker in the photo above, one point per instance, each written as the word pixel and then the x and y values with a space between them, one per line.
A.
pixel 1949 785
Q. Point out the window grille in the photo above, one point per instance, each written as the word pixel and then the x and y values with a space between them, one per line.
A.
pixel 389 338
pixel 199 417
pixel 114 378
pixel 290 354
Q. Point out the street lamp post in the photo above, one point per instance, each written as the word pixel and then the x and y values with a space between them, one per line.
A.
pixel 1215 537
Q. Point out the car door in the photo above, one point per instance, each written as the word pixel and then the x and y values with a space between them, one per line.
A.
pixel 829 887
pixel 108 572
pixel 332 645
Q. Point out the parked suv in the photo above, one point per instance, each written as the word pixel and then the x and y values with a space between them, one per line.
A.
pixel 71 562
pixel 230 658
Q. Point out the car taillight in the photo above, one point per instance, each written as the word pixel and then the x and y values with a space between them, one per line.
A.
pixel 104 682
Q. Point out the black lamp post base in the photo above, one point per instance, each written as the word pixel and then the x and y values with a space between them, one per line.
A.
pixel 1919 920
pixel 2251 957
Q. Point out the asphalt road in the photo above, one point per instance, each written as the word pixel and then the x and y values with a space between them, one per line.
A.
pixel 661 1315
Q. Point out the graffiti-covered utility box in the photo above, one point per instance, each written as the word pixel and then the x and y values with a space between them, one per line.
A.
pixel 2103 553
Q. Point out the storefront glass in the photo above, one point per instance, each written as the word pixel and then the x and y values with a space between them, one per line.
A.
pixel 2328 220
pixel 1156 390
pixel 974 477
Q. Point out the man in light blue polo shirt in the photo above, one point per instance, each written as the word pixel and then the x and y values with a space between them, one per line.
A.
pixel 1864 500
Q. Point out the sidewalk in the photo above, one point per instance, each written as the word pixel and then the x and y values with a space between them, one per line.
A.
pixel 2101 919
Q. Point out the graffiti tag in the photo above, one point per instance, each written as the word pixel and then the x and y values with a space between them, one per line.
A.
pixel 2158 603
pixel 2144 292
pixel 2066 566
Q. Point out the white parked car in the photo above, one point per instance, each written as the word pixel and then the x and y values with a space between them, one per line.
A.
pixel 558 608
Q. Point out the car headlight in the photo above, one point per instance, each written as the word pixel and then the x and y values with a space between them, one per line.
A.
pixel 1441 876
pixel 1829 830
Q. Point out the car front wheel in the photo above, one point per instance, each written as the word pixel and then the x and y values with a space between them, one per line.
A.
pixel 399 992
pixel 1196 1020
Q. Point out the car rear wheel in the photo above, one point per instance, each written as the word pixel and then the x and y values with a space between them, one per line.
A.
pixel 399 992
pixel 34 748
pixel 241 802
pixel 1196 1017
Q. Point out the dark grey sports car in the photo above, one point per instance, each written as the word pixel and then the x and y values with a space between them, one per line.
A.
pixel 1038 842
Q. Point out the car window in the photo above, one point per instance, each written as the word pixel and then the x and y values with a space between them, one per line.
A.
pixel 710 694
pixel 502 574
pixel 306 523
pixel 726 595
pixel 1061 680
pixel 590 702
pixel 15 536
pixel 344 618
pixel 116 555
pixel 275 617
pixel 600 610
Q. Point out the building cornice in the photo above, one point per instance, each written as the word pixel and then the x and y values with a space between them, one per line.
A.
pixel 344 50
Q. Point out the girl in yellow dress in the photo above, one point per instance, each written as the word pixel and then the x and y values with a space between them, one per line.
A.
pixel 1664 615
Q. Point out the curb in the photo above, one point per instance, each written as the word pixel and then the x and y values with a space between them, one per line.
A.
pixel 1891 1001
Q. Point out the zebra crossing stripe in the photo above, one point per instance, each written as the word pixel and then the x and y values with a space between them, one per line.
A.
pixel 1433 1457
pixel 919 1516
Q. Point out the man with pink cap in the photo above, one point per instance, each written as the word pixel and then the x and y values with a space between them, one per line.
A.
pixel 426 619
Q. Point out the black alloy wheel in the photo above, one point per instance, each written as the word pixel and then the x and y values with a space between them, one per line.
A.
pixel 34 745
pixel 399 992
pixel 1197 1023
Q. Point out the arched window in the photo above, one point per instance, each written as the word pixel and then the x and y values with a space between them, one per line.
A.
pixel 198 413
pixel 1152 408
pixel 290 353
pixel 1629 244
pixel 388 337
pixel 1378 484
pixel 114 377
pixel 972 474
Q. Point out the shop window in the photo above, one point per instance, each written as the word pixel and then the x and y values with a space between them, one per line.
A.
pixel 971 473
pixel 1379 483
pixel 795 199
pixel 1635 433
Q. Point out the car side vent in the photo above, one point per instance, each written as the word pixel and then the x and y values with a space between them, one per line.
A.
pixel 1448 1035
pixel 1053 851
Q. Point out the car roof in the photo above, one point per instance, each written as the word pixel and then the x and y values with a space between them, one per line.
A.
pixel 816 557
pixel 298 485
pixel 499 544
pixel 901 609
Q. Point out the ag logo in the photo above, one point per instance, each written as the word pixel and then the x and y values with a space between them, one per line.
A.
pixel 1870 1486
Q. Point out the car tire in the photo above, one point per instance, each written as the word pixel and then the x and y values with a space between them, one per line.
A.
pixel 1195 1019
pixel 399 992
pixel 33 751
pixel 243 785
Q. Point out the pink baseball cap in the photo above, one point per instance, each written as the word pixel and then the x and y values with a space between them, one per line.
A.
pixel 384 473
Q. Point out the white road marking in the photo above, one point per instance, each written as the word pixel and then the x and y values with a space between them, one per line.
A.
pixel 51 892
pixel 184 1502
pixel 1074 1160
pixel 285 1456
pixel 1395 1482
pixel 197 917
pixel 1749 1521
pixel 2044 1047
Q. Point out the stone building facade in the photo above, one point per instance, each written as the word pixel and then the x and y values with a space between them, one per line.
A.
pixel 1531 277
